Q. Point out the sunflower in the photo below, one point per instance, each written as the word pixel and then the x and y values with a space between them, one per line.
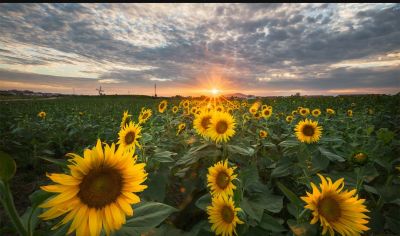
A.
pixel 129 135
pixel 316 112
pixel 185 103
pixel 124 121
pixel 359 157
pixel 263 134
pixel 219 179
pixel 266 113
pixel 223 215
pixel 181 127
pixel 222 126
pixel 349 113
pixel 257 115
pixel 336 210
pixel 175 109
pixel 308 131
pixel 244 104
pixel 220 108
pixel 294 113
pixel 201 123
pixel 42 114
pixel 98 192
pixel 162 106
pixel 330 111
pixel 289 119
pixel 193 110
pixel 304 111
pixel 145 114
pixel 263 107
pixel 81 113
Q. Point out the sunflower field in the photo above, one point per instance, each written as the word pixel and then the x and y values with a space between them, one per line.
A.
pixel 136 165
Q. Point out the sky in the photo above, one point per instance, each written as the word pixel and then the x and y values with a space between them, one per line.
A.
pixel 269 49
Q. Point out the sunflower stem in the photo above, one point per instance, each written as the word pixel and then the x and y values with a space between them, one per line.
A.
pixel 8 203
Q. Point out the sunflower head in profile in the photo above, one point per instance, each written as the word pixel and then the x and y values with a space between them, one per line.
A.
pixel 360 157
pixel 266 113
pixel 201 123
pixel 308 131
pixel 289 119
pixel 263 134
pixel 336 210
pixel 175 109
pixel 330 111
pixel 316 112
pixel 222 214
pixel 350 113
pixel 220 177
pixel 42 114
pixel 304 111
pixel 129 135
pixel 162 106
pixel 125 119
pixel 221 127
pixel 145 114
pixel 98 192
pixel 181 127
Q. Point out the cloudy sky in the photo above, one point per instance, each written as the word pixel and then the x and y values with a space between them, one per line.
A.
pixel 187 49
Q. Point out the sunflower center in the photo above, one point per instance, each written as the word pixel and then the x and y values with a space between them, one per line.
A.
pixel 227 214
pixel 205 122
pixel 330 209
pixel 145 116
pixel 221 127
pixel 162 106
pixel 223 180
pixel 100 187
pixel 266 112
pixel 129 137
pixel 308 130
pixel 303 111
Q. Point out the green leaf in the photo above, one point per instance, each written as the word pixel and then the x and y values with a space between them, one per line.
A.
pixel 7 167
pixel 290 195
pixel 147 215
pixel 39 196
pixel 204 201
pixel 319 162
pixel 62 163
pixel 270 223
pixel 385 135
pixel 163 156
pixel 253 209
pixel 283 168
pixel 331 156
pixel 245 151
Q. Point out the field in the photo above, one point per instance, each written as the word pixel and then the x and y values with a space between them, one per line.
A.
pixel 274 169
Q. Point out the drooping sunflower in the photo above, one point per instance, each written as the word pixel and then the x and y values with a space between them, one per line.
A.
pixel 349 113
pixel 129 135
pixel 42 114
pixel 145 114
pixel 330 111
pixel 263 134
pixel 316 112
pixel 98 192
pixel 304 111
pixel 220 177
pixel 222 127
pixel 308 131
pixel 201 123
pixel 289 119
pixel 162 106
pixel 125 119
pixel 175 109
pixel 266 113
pixel 223 215
pixel 336 210
pixel 181 127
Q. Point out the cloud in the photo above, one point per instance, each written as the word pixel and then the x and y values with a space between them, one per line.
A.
pixel 254 47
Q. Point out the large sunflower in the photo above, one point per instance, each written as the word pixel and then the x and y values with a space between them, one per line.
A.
pixel 162 106
pixel 222 127
pixel 336 210
pixel 98 192
pixel 201 123
pixel 219 179
pixel 125 120
pixel 144 115
pixel 308 131
pixel 129 135
pixel 223 215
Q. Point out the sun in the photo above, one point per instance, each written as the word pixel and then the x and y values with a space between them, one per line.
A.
pixel 215 91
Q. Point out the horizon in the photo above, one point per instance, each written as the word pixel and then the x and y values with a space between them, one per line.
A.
pixel 254 49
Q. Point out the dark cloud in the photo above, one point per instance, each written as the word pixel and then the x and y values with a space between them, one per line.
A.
pixel 248 41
